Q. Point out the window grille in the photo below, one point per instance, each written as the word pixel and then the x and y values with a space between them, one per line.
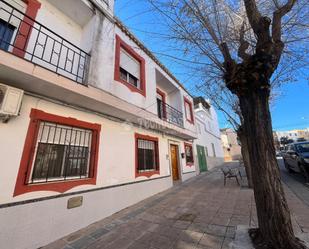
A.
pixel 147 155
pixel 61 153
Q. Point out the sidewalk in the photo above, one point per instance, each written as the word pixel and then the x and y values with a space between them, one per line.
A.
pixel 200 213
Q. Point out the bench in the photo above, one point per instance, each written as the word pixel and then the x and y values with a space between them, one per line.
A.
pixel 231 173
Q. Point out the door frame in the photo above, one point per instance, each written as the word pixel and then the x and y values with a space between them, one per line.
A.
pixel 173 142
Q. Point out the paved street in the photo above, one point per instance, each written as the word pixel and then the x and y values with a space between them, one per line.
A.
pixel 200 213
pixel 296 182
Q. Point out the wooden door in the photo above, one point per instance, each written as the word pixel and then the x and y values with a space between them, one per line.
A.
pixel 174 161
pixel 201 158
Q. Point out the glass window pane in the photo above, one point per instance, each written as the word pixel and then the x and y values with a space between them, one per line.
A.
pixel 130 64
pixel 146 155
pixel 189 154
pixel 188 111
pixel 62 151
pixel 6 34
pixel 48 162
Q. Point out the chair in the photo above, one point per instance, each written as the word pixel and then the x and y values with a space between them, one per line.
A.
pixel 230 173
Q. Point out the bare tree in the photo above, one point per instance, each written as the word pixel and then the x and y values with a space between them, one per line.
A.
pixel 227 103
pixel 247 47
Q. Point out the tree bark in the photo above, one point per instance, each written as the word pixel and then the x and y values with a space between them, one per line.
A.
pixel 275 226
pixel 245 155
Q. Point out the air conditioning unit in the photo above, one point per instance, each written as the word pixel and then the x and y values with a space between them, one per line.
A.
pixel 10 100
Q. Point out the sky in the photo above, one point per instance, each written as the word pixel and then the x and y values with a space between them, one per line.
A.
pixel 290 109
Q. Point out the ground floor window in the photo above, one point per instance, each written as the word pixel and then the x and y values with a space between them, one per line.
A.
pixel 59 153
pixel 63 152
pixel 189 154
pixel 147 155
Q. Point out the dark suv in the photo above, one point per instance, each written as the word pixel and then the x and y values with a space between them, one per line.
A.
pixel 296 158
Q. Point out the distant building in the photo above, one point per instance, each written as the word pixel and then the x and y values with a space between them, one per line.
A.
pixel 294 135
pixel 231 146
pixel 276 141
pixel 208 143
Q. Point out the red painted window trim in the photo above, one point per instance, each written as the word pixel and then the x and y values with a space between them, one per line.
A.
pixel 26 163
pixel 189 145
pixel 149 138
pixel 163 94
pixel 121 44
pixel 191 120
pixel 25 29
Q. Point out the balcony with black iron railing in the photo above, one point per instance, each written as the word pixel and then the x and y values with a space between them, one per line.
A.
pixel 169 113
pixel 24 37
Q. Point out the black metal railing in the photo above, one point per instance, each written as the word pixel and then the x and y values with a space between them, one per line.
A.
pixel 169 113
pixel 27 38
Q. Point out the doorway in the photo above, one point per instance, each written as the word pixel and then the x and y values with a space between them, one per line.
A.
pixel 174 161
pixel 201 158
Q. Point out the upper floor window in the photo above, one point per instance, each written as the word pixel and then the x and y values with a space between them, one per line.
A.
pixel 161 104
pixel 129 67
pixel 147 155
pixel 188 110
pixel 59 153
pixel 189 154
pixel 6 34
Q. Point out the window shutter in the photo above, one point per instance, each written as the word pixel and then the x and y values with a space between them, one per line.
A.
pixel 188 111
pixel 128 63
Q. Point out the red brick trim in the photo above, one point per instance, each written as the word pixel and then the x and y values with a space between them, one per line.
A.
pixel 25 29
pixel 163 94
pixel 121 44
pixel 189 163
pixel 191 120
pixel 149 138
pixel 36 116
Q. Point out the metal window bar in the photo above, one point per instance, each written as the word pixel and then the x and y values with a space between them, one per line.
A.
pixel 147 155
pixel 42 46
pixel 169 113
pixel 61 152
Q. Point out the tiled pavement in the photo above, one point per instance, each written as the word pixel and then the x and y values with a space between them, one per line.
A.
pixel 200 213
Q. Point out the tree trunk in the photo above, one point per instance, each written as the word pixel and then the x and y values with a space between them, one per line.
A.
pixel 275 227
pixel 245 155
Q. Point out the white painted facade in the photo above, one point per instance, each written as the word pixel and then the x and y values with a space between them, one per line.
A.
pixel 208 134
pixel 34 219
pixel 294 134
pixel 231 145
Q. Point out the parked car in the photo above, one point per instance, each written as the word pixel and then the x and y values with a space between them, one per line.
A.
pixel 296 158
pixel 278 153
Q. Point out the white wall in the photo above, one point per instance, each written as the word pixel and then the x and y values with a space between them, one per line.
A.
pixel 97 37
pixel 115 139
pixel 37 224
pixel 103 77
pixel 209 134
pixel 21 224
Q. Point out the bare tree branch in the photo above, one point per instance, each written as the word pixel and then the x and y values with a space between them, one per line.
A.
pixel 277 17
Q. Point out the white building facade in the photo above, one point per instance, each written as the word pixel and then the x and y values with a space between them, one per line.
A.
pixel 209 151
pixel 294 134
pixel 102 123
pixel 231 145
